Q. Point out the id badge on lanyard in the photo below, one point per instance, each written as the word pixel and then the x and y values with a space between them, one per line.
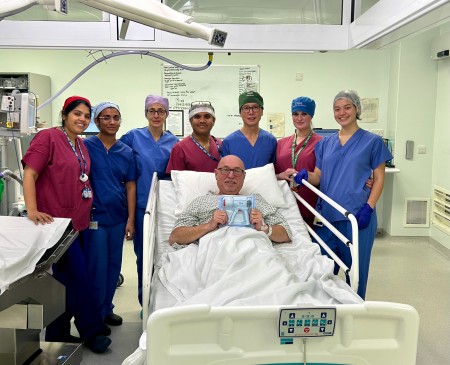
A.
pixel 93 224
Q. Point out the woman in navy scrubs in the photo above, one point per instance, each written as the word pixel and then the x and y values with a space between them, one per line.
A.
pixel 113 173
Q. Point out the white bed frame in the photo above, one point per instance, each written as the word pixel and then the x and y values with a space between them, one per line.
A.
pixel 376 333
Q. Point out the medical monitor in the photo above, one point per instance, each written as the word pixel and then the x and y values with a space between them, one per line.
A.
pixel 325 132
pixel 18 113
pixel 91 129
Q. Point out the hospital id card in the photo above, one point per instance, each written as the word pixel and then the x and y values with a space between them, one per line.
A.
pixel 238 209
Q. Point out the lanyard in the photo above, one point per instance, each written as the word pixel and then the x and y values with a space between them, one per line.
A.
pixel 83 175
pixel 204 150
pixel 294 156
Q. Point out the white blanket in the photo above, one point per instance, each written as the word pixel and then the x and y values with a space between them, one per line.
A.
pixel 240 266
pixel 22 244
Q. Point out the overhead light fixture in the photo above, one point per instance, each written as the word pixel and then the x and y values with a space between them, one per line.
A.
pixel 147 12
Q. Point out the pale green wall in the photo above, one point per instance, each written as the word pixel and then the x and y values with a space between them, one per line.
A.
pixel 128 79
pixel 441 162
pixel 412 101
pixel 413 93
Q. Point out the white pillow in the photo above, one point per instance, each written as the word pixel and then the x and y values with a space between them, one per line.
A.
pixel 191 184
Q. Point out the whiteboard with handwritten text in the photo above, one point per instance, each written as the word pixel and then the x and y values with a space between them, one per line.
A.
pixel 220 85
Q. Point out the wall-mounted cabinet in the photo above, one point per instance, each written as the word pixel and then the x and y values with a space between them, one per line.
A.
pixel 27 82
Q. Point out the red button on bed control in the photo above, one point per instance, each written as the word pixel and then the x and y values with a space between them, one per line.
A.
pixel 306 330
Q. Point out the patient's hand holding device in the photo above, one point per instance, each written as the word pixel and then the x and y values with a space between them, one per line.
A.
pixel 238 209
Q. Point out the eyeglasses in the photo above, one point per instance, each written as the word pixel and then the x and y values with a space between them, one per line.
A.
pixel 254 109
pixel 108 118
pixel 157 111
pixel 236 172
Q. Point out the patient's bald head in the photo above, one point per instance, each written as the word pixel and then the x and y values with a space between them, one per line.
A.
pixel 230 175
pixel 233 160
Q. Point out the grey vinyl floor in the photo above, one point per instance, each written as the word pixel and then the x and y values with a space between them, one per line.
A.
pixel 403 269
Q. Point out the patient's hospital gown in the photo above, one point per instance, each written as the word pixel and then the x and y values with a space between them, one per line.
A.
pixel 202 208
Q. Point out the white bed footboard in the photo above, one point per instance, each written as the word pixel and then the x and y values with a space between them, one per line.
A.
pixel 374 333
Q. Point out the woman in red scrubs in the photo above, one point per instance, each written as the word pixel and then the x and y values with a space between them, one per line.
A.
pixel 56 184
pixel 296 152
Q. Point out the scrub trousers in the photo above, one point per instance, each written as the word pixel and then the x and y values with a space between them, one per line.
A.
pixel 103 251
pixel 366 237
pixel 138 247
pixel 71 271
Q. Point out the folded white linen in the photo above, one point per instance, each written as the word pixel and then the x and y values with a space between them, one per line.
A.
pixel 22 244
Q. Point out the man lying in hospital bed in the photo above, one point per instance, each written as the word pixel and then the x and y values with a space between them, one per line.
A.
pixel 234 265
pixel 212 263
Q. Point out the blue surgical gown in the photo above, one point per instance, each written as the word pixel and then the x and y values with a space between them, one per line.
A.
pixel 260 154
pixel 345 170
pixel 151 156
pixel 110 171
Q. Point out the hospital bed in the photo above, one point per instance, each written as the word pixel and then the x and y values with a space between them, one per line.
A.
pixel 30 298
pixel 239 332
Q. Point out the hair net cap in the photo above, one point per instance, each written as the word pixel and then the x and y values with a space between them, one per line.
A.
pixel 201 107
pixel 104 105
pixel 352 96
pixel 304 104
pixel 153 99
pixel 250 97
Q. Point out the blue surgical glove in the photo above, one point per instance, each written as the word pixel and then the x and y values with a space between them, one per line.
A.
pixel 302 174
pixel 363 216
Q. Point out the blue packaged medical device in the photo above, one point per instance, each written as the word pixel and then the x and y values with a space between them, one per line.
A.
pixel 238 209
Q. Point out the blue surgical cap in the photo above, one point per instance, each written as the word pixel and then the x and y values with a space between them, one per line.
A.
pixel 104 105
pixel 304 104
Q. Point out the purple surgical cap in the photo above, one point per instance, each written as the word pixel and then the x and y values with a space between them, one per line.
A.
pixel 153 99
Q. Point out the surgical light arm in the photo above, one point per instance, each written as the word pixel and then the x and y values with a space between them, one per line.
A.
pixel 11 7
pixel 147 12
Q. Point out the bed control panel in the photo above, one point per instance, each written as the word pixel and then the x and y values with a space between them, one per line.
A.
pixel 307 322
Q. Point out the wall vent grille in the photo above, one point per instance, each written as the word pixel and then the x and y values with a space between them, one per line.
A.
pixel 441 209
pixel 417 212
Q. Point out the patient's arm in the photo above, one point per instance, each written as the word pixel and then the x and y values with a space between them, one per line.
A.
pixel 184 235
pixel 279 234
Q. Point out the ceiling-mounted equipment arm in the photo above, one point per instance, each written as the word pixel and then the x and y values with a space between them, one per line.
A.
pixel 11 7
pixel 159 16
pixel 147 12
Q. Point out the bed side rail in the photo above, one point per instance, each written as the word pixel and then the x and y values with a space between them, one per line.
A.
pixel 149 242
pixel 352 274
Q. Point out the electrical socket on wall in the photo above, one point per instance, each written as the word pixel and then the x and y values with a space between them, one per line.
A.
pixel 378 132
pixel 299 76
